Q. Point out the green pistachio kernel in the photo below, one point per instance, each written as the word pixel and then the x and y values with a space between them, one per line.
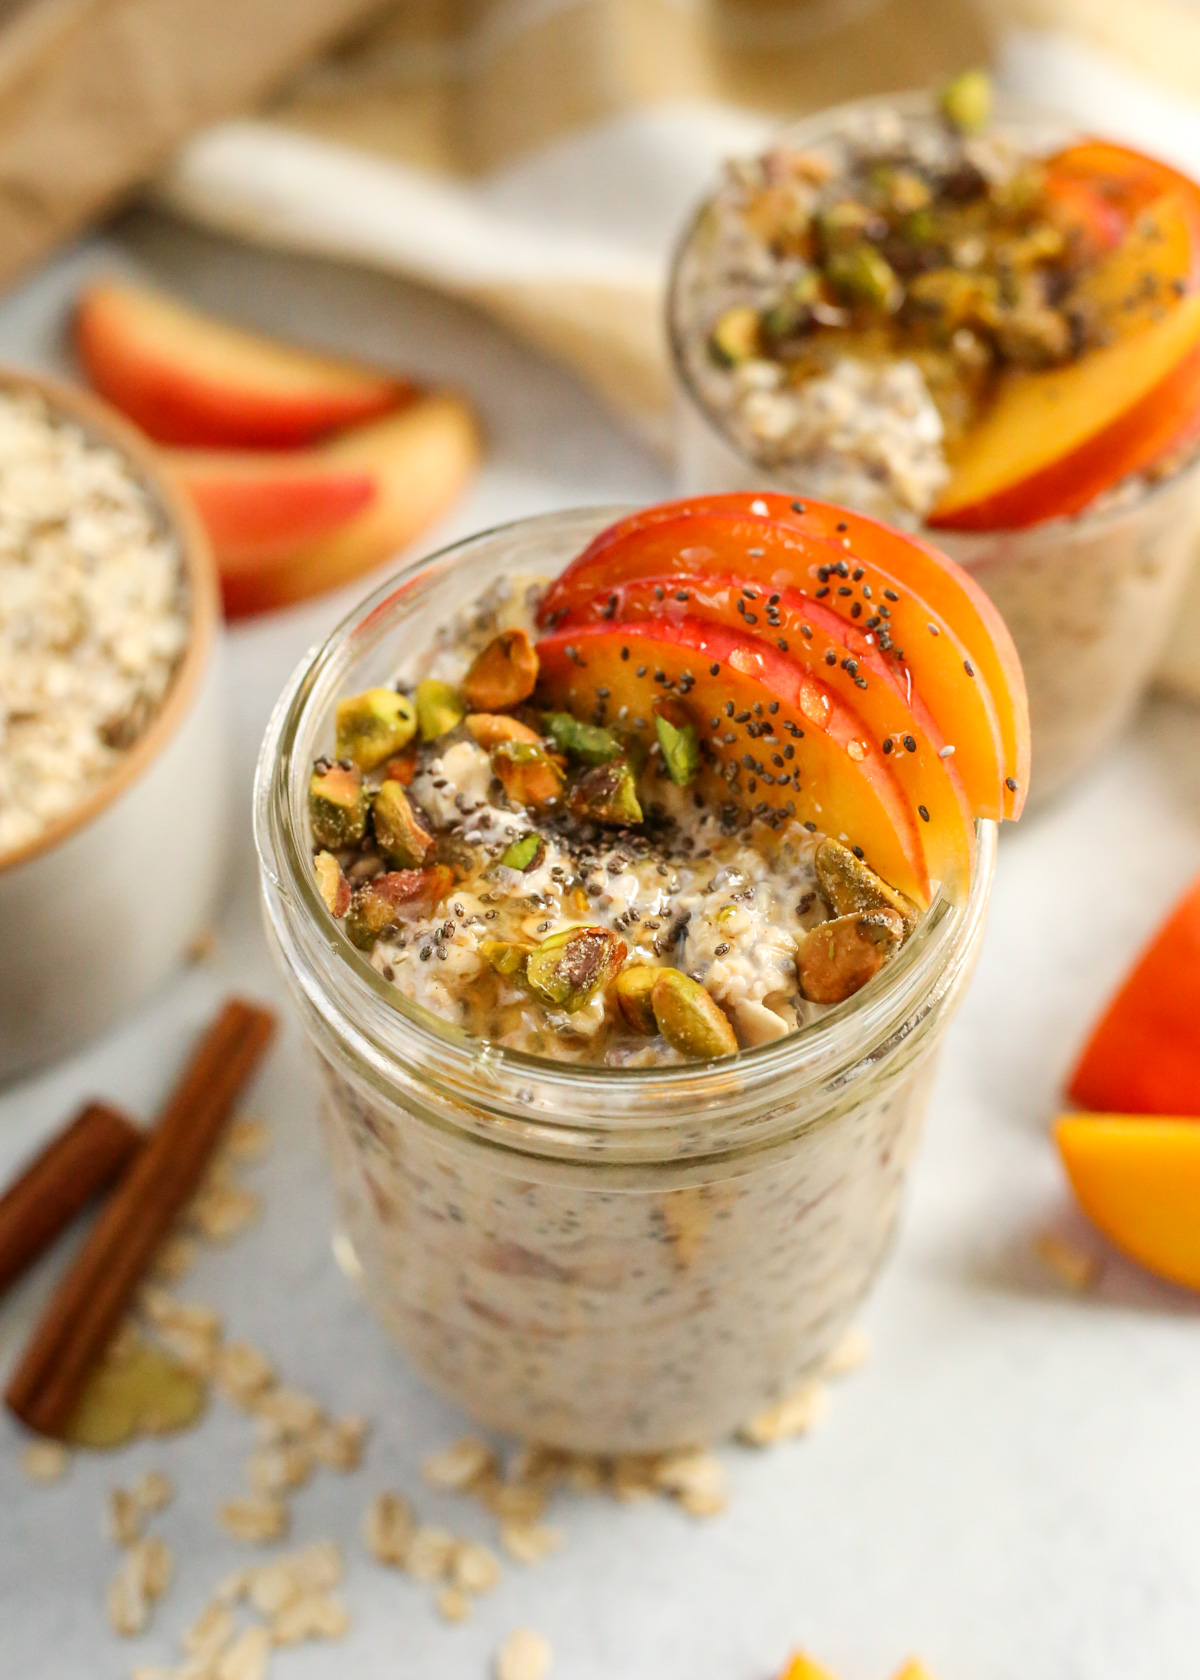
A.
pixel 586 741
pixel 687 1016
pixel 524 854
pixel 440 708
pixel 861 274
pixel 851 886
pixel 734 338
pixel 374 725
pixel 606 794
pixel 633 988
pixel 337 807
pixel 680 749
pixel 966 101
pixel 568 969
pixel 504 956
pixel 399 830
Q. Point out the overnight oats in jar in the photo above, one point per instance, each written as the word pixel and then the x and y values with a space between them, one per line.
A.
pixel 627 876
pixel 985 329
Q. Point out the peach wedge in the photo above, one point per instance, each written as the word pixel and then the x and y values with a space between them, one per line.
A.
pixel 1138 1180
pixel 187 379
pixel 417 461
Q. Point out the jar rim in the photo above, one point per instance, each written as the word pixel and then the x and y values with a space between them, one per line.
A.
pixel 391 1034
pixel 823 124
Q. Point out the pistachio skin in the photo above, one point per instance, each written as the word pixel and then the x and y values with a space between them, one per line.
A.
pixel 373 725
pixel 568 969
pixel 587 742
pixel 633 988
pixel 503 674
pixel 440 708
pixel 405 840
pixel 606 794
pixel 851 886
pixel 688 1018
pixel 337 807
pixel 528 774
pixel 837 958
pixel 375 906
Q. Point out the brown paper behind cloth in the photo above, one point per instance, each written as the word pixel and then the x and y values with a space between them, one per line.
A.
pixel 95 94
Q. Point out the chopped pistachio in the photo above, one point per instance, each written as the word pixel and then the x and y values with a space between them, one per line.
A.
pixel 331 883
pixel 837 958
pixel 505 956
pixel 503 675
pixel 374 725
pixel 606 794
pixel 792 309
pixel 337 807
pixel 966 101
pixel 400 832
pixel 528 774
pixel 687 1016
pixel 852 886
pixel 842 225
pixel 587 741
pixel 440 708
pixel 377 905
pixel 568 969
pixel 524 854
pixel 633 988
pixel 490 728
pixel 861 274
pixel 734 338
pixel 680 749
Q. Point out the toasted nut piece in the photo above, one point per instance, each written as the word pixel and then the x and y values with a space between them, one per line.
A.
pixel 402 768
pixel 966 101
pixel 633 988
pixel 439 708
pixel 524 854
pixel 852 886
pixel 528 775
pixel 688 1018
pixel 680 748
pixel 398 829
pixel 490 728
pixel 503 675
pixel 505 956
pixel 568 969
pixel 586 741
pixel 385 899
pixel 862 274
pixel 734 338
pixel 337 807
pixel 837 958
pixel 374 725
pixel 606 794
pixel 331 883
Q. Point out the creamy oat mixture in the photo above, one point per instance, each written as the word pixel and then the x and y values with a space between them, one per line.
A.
pixel 93 615
pixel 844 309
pixel 531 922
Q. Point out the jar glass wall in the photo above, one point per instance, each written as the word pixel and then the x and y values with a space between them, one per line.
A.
pixel 602 1259
pixel 1089 600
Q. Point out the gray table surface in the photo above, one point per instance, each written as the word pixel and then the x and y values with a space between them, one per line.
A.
pixel 1010 1486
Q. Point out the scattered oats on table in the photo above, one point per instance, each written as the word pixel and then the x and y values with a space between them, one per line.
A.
pixel 1069 1261
pixel 524 1655
pixel 142 1579
pixel 256 1517
pixel 461 1465
pixel 45 1461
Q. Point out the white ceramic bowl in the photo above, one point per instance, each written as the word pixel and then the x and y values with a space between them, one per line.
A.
pixel 102 906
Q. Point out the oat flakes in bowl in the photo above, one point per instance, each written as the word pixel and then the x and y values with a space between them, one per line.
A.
pixel 109 726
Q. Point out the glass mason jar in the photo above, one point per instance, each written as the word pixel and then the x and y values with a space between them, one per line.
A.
pixel 1089 599
pixel 600 1259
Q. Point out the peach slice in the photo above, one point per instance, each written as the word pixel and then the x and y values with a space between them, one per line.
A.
pixel 1125 180
pixel 798 749
pixel 802 1667
pixel 841 657
pixel 418 461
pixel 1139 1180
pixel 1052 441
pixel 928 655
pixel 260 506
pixel 187 379
pixel 1144 1054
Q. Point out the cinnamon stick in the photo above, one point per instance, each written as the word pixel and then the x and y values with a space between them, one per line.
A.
pixel 83 1159
pixel 93 1296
